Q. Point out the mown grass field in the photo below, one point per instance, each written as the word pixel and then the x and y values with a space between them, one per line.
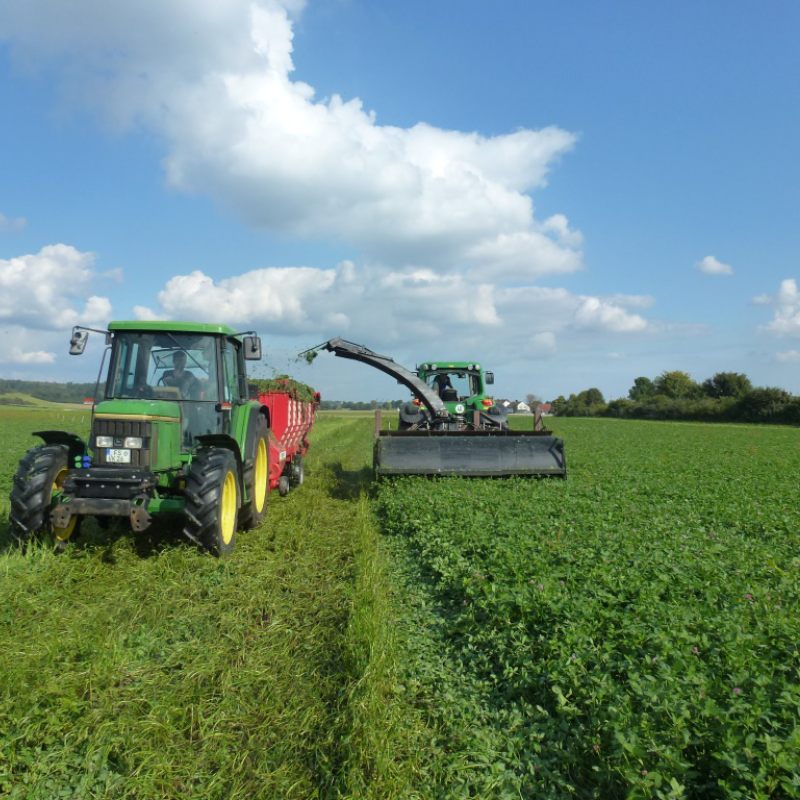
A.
pixel 632 631
pixel 139 667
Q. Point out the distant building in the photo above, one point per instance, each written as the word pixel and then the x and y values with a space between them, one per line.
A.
pixel 546 409
pixel 518 407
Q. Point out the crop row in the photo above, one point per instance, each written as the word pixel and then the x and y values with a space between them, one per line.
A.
pixel 629 632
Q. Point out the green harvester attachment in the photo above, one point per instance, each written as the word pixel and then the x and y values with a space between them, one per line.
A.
pixel 452 427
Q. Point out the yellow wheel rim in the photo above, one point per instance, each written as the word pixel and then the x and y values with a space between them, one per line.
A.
pixel 261 477
pixel 228 508
pixel 62 534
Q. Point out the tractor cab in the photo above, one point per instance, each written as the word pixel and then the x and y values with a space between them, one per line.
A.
pixel 168 385
pixel 180 368
pixel 460 385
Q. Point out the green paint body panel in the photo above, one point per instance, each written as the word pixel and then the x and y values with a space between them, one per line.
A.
pixel 166 424
pixel 166 505
pixel 168 445
pixel 142 408
pixel 172 327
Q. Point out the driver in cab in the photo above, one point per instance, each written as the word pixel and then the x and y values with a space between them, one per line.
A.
pixel 185 381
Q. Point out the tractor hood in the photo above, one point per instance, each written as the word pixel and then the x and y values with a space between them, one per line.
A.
pixel 154 409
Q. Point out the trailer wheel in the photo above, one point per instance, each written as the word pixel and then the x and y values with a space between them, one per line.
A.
pixel 212 500
pixel 256 477
pixel 40 474
pixel 283 485
pixel 298 471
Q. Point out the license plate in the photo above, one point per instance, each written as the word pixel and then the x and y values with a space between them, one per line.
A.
pixel 117 456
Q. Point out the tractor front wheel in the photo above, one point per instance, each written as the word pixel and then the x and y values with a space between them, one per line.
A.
pixel 40 475
pixel 212 500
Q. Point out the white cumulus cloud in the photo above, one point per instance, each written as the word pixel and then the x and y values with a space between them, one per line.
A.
pixel 543 344
pixel 786 319
pixel 215 79
pixel 51 290
pixel 595 314
pixel 448 238
pixel 789 357
pixel 383 308
pixel 18 356
pixel 712 266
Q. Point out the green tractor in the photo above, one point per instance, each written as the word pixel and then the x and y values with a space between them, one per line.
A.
pixel 451 427
pixel 461 386
pixel 175 433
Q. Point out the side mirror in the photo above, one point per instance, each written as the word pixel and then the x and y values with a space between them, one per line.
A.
pixel 252 348
pixel 77 344
pixel 488 377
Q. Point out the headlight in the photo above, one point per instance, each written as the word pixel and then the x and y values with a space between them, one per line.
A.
pixel 134 442
pixel 104 441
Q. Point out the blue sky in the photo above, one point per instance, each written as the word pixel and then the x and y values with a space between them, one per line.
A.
pixel 575 194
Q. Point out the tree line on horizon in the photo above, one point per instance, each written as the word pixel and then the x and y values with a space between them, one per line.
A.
pixel 675 395
pixel 76 392
pixel 49 390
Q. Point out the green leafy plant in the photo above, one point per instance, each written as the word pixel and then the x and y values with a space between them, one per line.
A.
pixel 632 631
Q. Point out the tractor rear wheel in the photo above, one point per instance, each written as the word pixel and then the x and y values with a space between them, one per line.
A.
pixel 256 477
pixel 40 474
pixel 212 500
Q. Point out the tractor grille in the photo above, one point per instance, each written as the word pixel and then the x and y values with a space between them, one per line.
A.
pixel 119 429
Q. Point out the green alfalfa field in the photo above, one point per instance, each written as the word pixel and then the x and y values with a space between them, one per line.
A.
pixel 631 631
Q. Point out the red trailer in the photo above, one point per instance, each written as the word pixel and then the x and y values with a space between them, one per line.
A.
pixel 290 420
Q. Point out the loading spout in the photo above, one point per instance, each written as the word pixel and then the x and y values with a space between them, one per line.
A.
pixel 420 389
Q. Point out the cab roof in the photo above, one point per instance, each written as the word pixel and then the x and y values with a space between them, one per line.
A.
pixel 171 327
pixel 460 365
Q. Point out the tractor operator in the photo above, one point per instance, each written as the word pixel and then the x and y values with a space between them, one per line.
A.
pixel 185 381
pixel 442 382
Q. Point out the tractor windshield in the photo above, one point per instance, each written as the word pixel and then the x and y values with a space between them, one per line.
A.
pixel 452 385
pixel 180 367
pixel 164 366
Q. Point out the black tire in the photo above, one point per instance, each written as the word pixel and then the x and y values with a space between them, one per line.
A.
pixel 256 477
pixel 283 485
pixel 40 472
pixel 212 500
pixel 297 474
